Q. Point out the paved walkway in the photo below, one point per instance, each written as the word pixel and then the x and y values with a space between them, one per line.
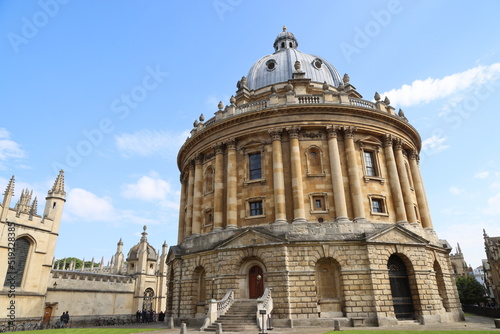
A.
pixel 471 323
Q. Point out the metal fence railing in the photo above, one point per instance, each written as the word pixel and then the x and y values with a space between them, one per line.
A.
pixel 491 312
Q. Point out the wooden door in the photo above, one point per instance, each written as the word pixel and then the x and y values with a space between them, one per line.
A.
pixel 47 314
pixel 255 282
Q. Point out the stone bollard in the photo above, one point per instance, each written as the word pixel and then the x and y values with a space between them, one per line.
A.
pixel 183 328
pixel 170 322
pixel 218 328
pixel 336 325
pixel 497 323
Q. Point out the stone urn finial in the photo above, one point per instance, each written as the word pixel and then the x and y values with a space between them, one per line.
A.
pixel 297 65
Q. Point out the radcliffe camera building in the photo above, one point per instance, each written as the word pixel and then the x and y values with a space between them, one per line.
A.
pixel 303 198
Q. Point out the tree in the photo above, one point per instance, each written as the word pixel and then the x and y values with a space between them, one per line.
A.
pixel 78 263
pixel 470 290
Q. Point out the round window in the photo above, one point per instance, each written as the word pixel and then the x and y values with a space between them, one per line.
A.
pixel 271 65
pixel 317 63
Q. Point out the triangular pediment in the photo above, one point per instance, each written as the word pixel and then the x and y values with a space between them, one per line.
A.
pixel 250 237
pixel 396 234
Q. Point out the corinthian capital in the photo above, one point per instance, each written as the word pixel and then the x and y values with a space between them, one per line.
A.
pixel 332 130
pixel 275 133
pixel 293 131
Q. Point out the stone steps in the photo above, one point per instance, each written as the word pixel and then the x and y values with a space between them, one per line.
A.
pixel 240 317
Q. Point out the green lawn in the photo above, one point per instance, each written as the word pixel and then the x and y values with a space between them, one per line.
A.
pixel 92 330
pixel 409 332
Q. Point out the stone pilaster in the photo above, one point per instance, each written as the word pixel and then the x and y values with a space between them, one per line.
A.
pixel 198 194
pixel 404 178
pixel 297 186
pixel 231 184
pixel 336 172
pixel 278 177
pixel 423 207
pixel 353 172
pixel 392 170
pixel 182 209
pixel 219 186
pixel 189 211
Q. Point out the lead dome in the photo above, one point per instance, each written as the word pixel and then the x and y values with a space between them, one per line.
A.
pixel 280 66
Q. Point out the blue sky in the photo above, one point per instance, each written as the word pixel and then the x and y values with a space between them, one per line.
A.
pixel 109 91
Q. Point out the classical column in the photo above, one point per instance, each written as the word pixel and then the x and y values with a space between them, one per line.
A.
pixel 219 187
pixel 353 172
pixel 337 179
pixel 182 209
pixel 297 187
pixel 397 194
pixel 189 212
pixel 231 184
pixel 404 178
pixel 198 194
pixel 423 206
pixel 278 178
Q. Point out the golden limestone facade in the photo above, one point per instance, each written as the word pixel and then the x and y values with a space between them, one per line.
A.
pixel 301 190
pixel 492 269
pixel 36 288
pixel 27 245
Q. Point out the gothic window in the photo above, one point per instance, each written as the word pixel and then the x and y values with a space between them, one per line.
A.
pixel 314 160
pixel 255 166
pixel 16 267
pixel 209 180
pixel 148 299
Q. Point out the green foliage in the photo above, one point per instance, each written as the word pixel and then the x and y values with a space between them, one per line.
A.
pixel 470 291
pixel 78 263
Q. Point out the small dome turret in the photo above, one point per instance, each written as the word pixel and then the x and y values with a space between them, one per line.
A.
pixel 280 66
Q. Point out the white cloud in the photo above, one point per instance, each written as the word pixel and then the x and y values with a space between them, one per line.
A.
pixel 147 188
pixel 482 175
pixel 493 207
pixel 148 143
pixel 9 148
pixel 456 190
pixel 151 188
pixel 424 91
pixel 84 205
pixel 434 144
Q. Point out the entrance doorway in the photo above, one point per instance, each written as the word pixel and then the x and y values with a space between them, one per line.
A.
pixel 255 282
pixel 47 314
pixel 400 289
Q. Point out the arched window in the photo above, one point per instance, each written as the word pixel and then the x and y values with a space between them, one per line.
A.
pixel 329 288
pixel 17 262
pixel 148 299
pixel 441 286
pixel 400 288
pixel 209 180
pixel 314 158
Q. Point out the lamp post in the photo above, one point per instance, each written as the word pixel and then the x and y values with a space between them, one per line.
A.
pixel 259 277
pixel 213 281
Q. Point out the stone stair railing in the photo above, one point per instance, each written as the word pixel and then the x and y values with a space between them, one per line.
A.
pixel 264 304
pixel 216 308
